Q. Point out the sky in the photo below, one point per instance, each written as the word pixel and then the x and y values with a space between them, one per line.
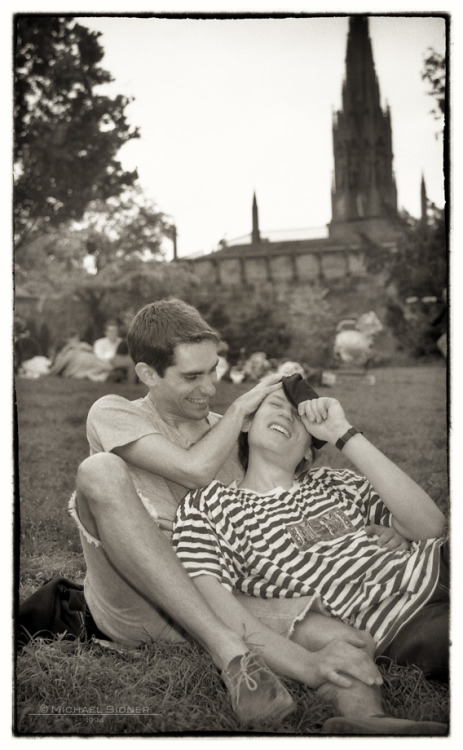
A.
pixel 229 107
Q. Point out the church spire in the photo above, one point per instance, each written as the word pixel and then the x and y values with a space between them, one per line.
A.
pixel 255 237
pixel 361 89
pixel 424 204
pixel 364 183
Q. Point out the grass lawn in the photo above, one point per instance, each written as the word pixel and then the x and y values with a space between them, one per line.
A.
pixel 176 689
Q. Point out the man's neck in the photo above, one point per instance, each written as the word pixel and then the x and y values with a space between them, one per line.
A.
pixel 192 429
pixel 264 476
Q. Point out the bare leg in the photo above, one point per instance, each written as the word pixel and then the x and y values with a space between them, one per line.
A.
pixel 360 706
pixel 110 509
pixel 319 653
pixel 313 633
pixel 288 657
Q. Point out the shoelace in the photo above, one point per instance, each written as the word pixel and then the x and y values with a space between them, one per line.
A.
pixel 244 676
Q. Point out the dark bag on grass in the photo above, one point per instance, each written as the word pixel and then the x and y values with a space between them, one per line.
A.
pixel 57 608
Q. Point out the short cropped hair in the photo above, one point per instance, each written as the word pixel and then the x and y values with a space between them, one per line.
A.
pixel 161 326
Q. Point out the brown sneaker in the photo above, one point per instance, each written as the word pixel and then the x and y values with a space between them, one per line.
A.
pixel 383 725
pixel 256 693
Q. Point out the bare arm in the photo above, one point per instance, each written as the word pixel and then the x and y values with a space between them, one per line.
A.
pixel 415 515
pixel 197 466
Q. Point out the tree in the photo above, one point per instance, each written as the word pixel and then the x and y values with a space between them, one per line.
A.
pixel 434 73
pixel 66 134
pixel 128 226
pixel 416 274
pixel 418 265
pixel 258 325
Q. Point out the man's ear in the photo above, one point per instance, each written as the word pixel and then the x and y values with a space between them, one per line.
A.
pixel 146 374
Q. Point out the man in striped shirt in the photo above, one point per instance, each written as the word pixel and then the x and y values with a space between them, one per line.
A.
pixel 272 536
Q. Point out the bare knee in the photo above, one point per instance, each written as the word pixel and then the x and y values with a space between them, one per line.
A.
pixel 315 631
pixel 101 475
pixel 363 635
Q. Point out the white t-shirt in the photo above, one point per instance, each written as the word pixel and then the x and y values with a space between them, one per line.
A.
pixel 106 349
pixel 114 421
pixel 117 608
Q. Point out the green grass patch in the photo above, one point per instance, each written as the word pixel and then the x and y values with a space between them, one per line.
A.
pixel 404 414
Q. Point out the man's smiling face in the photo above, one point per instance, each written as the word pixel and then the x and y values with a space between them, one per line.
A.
pixel 276 427
pixel 187 386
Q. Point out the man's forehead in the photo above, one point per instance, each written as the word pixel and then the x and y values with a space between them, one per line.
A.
pixel 200 355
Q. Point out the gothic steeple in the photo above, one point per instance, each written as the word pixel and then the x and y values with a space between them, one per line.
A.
pixel 364 185
pixel 424 204
pixel 255 237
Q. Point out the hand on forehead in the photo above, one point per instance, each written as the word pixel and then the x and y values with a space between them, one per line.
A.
pixel 279 396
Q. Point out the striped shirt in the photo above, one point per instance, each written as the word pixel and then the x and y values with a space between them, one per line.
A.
pixel 308 541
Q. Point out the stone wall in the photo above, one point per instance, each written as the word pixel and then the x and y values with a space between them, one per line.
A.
pixel 273 267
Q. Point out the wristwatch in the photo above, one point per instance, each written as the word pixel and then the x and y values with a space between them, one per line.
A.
pixel 340 442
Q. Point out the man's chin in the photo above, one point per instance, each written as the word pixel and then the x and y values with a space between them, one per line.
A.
pixel 199 409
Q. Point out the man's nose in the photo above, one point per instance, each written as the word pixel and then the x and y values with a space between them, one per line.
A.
pixel 288 412
pixel 208 387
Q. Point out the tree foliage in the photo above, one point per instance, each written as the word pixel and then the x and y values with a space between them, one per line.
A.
pixel 434 73
pixel 257 325
pixel 418 265
pixel 85 302
pixel 417 276
pixel 129 226
pixel 66 133
pixel 125 285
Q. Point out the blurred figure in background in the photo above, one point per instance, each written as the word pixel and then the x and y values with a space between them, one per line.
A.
pixel 78 360
pixel 112 348
pixel 106 347
pixel 25 347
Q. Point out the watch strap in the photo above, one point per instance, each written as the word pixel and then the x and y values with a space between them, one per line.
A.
pixel 340 442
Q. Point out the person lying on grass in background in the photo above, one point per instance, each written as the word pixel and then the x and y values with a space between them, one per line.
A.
pixel 145 455
pixel 284 532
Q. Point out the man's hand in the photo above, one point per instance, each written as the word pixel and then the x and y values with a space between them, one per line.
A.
pixel 339 662
pixel 324 418
pixel 249 402
pixel 387 537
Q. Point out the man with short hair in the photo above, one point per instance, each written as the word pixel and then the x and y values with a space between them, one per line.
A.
pixel 145 454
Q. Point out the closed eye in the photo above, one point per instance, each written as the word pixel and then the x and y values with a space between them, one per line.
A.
pixel 280 402
pixel 194 375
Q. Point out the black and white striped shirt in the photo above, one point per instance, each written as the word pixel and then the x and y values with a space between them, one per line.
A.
pixel 308 541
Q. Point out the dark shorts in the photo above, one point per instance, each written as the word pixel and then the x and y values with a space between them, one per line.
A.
pixel 424 640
